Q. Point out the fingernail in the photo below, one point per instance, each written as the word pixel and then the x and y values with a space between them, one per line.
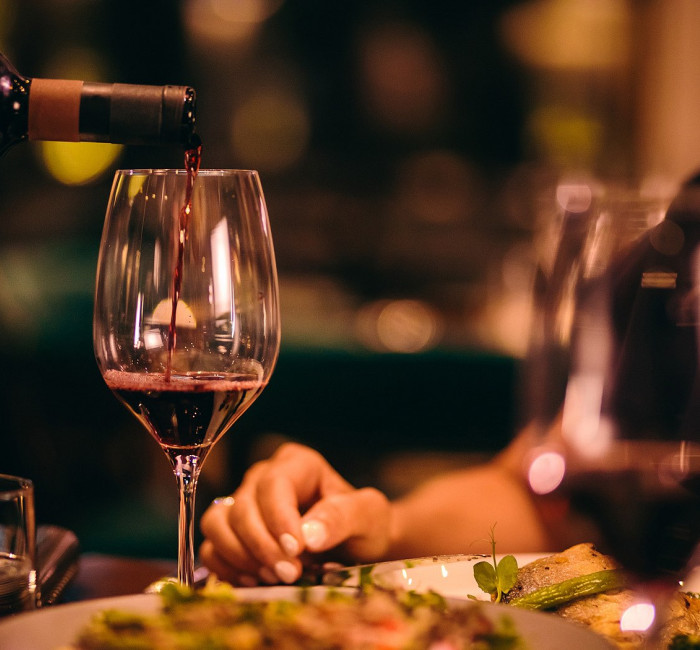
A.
pixel 267 575
pixel 289 544
pixel 315 533
pixel 286 571
pixel 332 566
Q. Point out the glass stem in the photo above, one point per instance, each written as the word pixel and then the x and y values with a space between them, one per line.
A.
pixel 660 594
pixel 186 473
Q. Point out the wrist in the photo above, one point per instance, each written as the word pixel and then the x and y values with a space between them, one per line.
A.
pixel 396 538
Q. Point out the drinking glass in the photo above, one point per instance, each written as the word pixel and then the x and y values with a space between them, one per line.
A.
pixel 186 320
pixel 18 584
pixel 623 450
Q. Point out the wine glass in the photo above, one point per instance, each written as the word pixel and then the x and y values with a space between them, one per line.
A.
pixel 186 322
pixel 624 449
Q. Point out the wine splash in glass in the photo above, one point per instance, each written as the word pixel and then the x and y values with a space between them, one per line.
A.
pixel 186 323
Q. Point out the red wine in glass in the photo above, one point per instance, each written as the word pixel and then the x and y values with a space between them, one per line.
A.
pixel 646 504
pixel 186 414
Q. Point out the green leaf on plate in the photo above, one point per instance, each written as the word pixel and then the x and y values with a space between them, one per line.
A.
pixel 499 578
pixel 507 573
pixel 485 576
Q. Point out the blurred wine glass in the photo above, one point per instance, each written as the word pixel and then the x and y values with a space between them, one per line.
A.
pixel 619 445
pixel 186 321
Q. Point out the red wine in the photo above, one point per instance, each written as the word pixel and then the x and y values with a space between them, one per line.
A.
pixel 185 413
pixel 193 158
pixel 648 511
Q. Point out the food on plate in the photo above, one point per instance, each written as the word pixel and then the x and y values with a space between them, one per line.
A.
pixel 580 571
pixel 682 629
pixel 217 617
pixel 602 610
pixel 579 560
pixel 580 585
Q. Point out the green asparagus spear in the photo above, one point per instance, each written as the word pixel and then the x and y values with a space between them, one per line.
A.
pixel 568 590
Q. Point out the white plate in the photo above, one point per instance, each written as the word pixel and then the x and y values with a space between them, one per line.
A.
pixel 53 627
pixel 449 575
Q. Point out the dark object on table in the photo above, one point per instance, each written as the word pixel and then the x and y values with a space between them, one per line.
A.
pixel 57 561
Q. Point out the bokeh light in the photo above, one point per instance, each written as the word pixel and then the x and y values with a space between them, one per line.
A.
pixel 638 617
pixel 546 471
pixel 226 22
pixel 270 130
pixel 77 62
pixel 78 163
pixel 7 18
pixel 404 83
pixel 405 326
pixel 436 187
pixel 574 197
pixel 568 34
pixel 564 135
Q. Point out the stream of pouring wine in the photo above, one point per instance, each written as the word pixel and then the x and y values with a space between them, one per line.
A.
pixel 193 158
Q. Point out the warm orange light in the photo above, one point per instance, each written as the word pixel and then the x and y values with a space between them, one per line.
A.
pixel 568 34
pixel 226 22
pixel 406 326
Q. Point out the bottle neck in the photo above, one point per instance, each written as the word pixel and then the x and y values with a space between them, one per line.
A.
pixel 54 110
pixel 95 112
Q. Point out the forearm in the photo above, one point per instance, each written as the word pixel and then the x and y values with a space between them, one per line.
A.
pixel 454 513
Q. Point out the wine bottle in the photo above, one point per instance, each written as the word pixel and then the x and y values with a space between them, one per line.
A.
pixel 72 111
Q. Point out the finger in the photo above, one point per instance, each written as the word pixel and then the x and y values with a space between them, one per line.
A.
pixel 307 471
pixel 360 520
pixel 230 532
pixel 247 522
pixel 252 532
pixel 279 509
pixel 241 539
pixel 222 569
pixel 264 524
pixel 296 480
pixel 216 527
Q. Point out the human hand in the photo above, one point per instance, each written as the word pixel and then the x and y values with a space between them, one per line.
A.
pixel 287 507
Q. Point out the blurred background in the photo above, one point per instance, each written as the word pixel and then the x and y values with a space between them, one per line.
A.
pixel 407 150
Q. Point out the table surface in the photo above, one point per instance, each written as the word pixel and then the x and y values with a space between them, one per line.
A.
pixel 104 576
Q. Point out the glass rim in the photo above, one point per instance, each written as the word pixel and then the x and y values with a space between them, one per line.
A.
pixel 183 172
pixel 11 485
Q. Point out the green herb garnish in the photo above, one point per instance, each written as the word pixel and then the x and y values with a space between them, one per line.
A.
pixel 685 642
pixel 498 578
pixel 365 576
